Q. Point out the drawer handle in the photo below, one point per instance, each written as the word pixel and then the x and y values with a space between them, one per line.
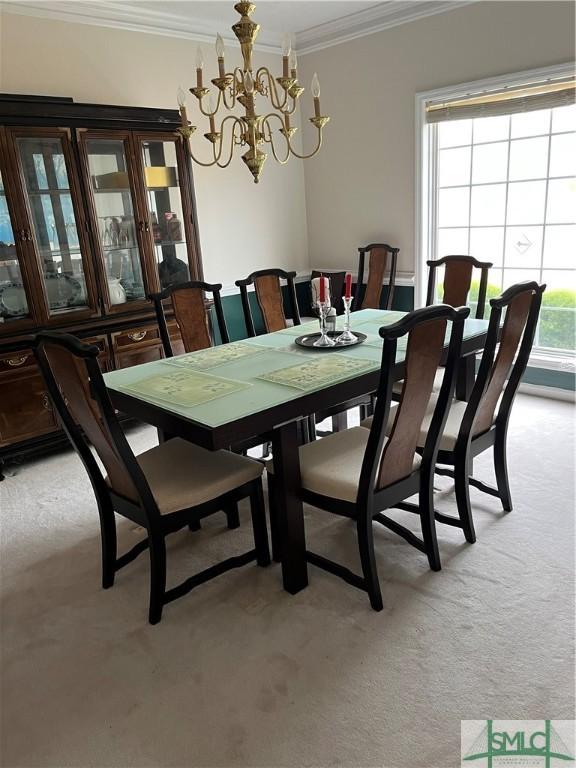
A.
pixel 46 404
pixel 137 335
pixel 14 362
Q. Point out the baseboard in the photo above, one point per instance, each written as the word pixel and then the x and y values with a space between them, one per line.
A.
pixel 554 393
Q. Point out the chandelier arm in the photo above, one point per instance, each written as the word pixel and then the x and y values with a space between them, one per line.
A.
pixel 236 121
pixel 206 165
pixel 316 150
pixel 272 90
pixel 270 140
pixel 208 113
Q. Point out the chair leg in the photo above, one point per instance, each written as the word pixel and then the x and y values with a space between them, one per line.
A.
pixel 157 548
pixel 258 511
pixel 501 470
pixel 368 560
pixel 427 521
pixel 109 546
pixel 273 512
pixel 462 470
pixel 195 526
pixel 233 515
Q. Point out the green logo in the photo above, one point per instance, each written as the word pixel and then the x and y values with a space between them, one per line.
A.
pixel 542 742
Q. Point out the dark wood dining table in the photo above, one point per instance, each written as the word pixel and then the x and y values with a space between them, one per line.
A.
pixel 267 385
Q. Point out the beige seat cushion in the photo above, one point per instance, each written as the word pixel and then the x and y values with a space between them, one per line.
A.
pixel 450 435
pixel 183 475
pixel 331 466
pixel 438 378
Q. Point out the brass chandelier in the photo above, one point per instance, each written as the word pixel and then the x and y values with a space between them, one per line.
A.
pixel 251 130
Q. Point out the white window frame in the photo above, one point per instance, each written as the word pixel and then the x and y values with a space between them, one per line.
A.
pixel 426 159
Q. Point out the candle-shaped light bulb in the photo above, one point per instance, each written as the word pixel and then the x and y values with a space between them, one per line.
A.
pixel 293 63
pixel 219 46
pixel 199 66
pixel 286 44
pixel 315 86
pixel 181 96
pixel 199 58
pixel 316 94
pixel 248 83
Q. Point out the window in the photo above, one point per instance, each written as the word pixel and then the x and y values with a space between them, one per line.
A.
pixel 502 188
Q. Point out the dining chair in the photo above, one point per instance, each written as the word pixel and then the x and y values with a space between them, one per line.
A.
pixel 360 473
pixel 371 295
pixel 458 271
pixel 481 423
pixel 164 489
pixel 268 290
pixel 191 314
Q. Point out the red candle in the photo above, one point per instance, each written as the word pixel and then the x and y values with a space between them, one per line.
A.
pixel 348 292
pixel 322 289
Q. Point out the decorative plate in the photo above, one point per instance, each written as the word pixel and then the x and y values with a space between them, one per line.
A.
pixel 63 290
pixel 308 341
pixel 13 300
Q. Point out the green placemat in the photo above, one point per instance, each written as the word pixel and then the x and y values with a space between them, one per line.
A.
pixel 187 388
pixel 205 359
pixel 318 373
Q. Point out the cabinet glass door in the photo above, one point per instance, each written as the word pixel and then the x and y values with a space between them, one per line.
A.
pixel 13 302
pixel 166 210
pixel 59 243
pixel 115 220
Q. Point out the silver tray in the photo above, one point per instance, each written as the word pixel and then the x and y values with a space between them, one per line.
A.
pixel 308 340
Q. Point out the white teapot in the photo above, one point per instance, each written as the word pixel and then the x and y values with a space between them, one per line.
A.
pixel 116 291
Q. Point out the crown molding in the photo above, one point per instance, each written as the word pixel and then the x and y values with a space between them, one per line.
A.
pixel 119 15
pixel 368 22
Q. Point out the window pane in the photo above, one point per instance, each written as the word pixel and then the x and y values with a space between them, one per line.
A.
pixel 523 247
pixel 491 128
pixel 530 123
pixel 454 133
pixel 454 167
pixel 487 244
pixel 453 207
pixel 489 162
pixel 557 327
pixel 494 283
pixel 452 241
pixel 526 202
pixel 561 201
pixel 528 159
pixel 488 204
pixel 513 276
pixel 564 119
pixel 560 247
pixel 563 155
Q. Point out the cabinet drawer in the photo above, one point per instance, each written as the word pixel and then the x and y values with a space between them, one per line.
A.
pixel 12 362
pixel 145 354
pixel 135 337
pixel 104 355
pixel 25 408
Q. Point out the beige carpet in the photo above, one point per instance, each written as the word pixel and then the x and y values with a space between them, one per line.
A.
pixel 241 674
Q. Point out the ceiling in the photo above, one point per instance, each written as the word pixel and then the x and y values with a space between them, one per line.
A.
pixel 315 24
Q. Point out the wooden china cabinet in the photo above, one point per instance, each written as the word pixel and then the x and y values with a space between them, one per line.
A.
pixel 97 211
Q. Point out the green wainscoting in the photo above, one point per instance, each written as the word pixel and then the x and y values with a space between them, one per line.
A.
pixel 403 301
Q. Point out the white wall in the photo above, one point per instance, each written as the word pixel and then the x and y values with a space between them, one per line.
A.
pixel 243 226
pixel 360 188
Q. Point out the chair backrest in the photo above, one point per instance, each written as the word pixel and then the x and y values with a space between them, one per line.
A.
pixel 77 390
pixel 379 254
pixel 506 362
pixel 457 281
pixel 336 282
pixel 389 461
pixel 270 300
pixel 191 314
